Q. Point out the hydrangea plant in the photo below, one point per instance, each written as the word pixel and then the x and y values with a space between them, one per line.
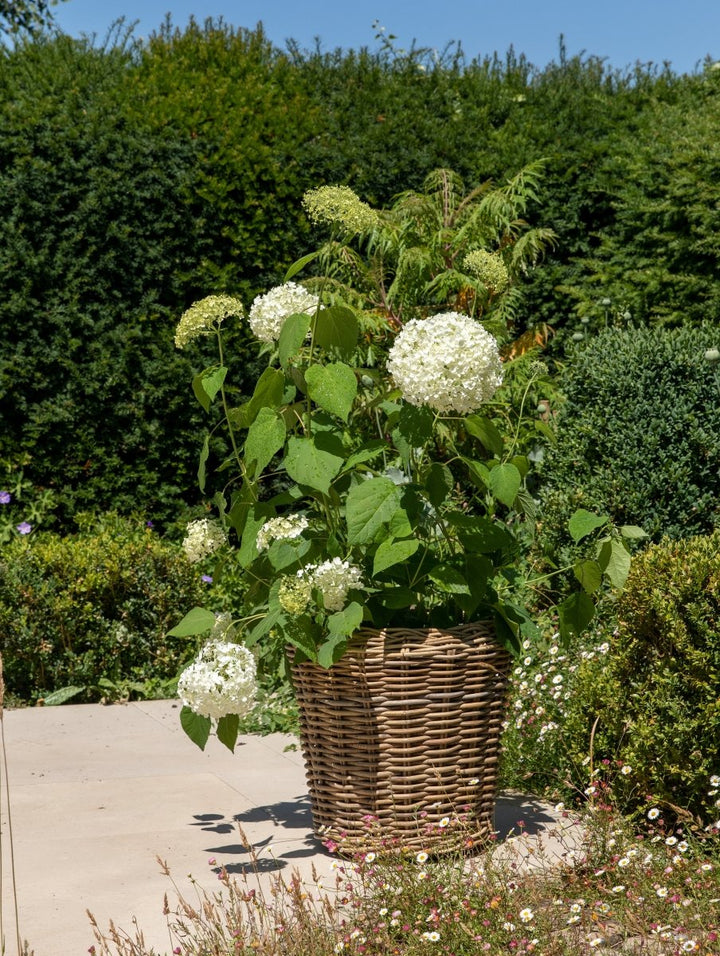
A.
pixel 356 494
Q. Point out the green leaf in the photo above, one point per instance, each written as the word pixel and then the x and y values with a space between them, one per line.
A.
pixel 439 483
pixel 207 384
pixel 283 553
pixel 333 387
pixel 337 330
pixel 589 574
pixel 227 730
pixel 632 532
pixel 395 598
pixel 196 621
pixel 240 507
pixel 415 424
pixel 331 650
pixel 273 617
pixel 399 525
pixel 269 393
pixel 482 535
pixel 614 559
pixel 574 614
pixel 303 634
pixel 204 455
pixel 583 523
pixel 292 335
pixel 61 695
pixel 344 623
pixel 504 483
pixel 257 514
pixel 393 552
pixel 300 264
pixel 449 579
pixel 196 727
pixel 369 505
pixel 265 438
pixel 369 451
pixel 486 433
pixel 308 464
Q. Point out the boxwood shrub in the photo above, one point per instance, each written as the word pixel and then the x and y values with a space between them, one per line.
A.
pixel 91 611
pixel 636 710
pixel 638 437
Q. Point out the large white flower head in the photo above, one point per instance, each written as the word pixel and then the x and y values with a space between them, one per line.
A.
pixel 220 681
pixel 333 579
pixel 202 538
pixel 285 528
pixel 339 205
pixel 449 362
pixel 268 312
pixel 204 317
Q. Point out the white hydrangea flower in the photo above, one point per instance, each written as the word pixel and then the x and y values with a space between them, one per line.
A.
pixel 205 316
pixel 333 579
pixel 220 681
pixel 283 528
pixel 448 362
pixel 202 538
pixel 268 312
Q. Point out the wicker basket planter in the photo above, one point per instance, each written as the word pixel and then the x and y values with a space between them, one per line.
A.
pixel 401 738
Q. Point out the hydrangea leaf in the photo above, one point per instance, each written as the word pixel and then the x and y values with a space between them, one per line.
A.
pixel 202 462
pixel 293 334
pixel 614 559
pixel 196 727
pixel 504 483
pixel 486 433
pixel 589 574
pixel 391 552
pixel 337 330
pixel 207 384
pixel 439 483
pixel 265 438
pixel 196 621
pixel 227 730
pixel 574 615
pixel 300 264
pixel 309 464
pixel 583 523
pixel 333 387
pixel 369 505
pixel 449 579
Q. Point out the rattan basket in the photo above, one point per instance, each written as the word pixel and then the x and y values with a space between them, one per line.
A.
pixel 401 738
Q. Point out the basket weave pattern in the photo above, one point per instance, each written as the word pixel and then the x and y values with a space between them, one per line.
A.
pixel 405 728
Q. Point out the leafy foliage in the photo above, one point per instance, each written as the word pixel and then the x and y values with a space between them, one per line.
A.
pixel 637 435
pixel 91 612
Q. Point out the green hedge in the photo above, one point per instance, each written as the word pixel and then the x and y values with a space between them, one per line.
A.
pixel 632 713
pixel 638 436
pixel 92 611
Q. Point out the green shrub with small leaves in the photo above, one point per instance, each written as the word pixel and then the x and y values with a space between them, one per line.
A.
pixel 636 707
pixel 88 614
pixel 638 436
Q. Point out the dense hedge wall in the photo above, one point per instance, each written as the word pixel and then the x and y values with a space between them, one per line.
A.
pixel 139 176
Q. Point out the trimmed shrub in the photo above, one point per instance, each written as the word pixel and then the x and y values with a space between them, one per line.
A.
pixel 92 611
pixel 638 437
pixel 637 712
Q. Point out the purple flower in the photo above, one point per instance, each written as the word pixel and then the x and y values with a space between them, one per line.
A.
pixel 24 527
pixel 5 497
pixel 206 578
pixel 149 524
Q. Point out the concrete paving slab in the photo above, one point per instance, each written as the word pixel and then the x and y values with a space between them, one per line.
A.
pixel 98 793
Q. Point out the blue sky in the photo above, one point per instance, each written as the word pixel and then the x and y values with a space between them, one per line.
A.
pixel 622 31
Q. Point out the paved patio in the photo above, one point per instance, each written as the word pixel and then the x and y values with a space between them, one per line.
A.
pixel 97 793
